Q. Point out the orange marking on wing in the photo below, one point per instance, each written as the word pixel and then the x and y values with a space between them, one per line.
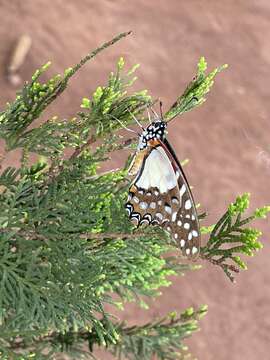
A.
pixel 153 143
pixel 133 189
pixel 137 162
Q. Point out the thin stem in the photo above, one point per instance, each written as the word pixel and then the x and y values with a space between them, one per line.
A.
pixel 98 50
pixel 104 173
pixel 102 236
pixel 90 236
pixel 80 149
pixel 54 171
pixel 224 266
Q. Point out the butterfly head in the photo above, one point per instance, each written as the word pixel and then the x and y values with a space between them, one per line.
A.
pixel 155 131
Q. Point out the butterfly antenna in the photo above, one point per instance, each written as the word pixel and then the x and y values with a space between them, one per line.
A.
pixel 154 112
pixel 149 117
pixel 123 125
pixel 136 120
pixel 160 109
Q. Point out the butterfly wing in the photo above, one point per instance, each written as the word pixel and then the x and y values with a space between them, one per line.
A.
pixel 187 217
pixel 160 195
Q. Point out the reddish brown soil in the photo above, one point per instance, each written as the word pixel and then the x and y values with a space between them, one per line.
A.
pixel 223 139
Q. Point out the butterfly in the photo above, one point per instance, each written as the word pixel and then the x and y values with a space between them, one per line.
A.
pixel 159 193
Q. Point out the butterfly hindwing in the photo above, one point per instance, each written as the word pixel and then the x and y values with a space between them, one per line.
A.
pixel 149 206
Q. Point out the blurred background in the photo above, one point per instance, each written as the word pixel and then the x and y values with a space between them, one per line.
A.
pixel 227 139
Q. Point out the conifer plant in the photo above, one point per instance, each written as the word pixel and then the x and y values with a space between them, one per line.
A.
pixel 67 247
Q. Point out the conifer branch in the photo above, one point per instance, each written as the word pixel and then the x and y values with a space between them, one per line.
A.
pixel 162 338
pixel 35 97
pixel 96 52
pixel 151 339
pixel 79 150
pixel 195 92
pixel 229 238
pixel 108 235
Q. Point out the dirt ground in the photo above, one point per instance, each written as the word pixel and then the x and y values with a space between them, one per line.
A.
pixel 227 139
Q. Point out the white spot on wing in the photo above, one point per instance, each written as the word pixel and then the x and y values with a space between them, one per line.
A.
pixel 194 250
pixel 187 226
pixel 159 216
pixel 182 190
pixel 182 243
pixel 168 209
pixel 143 205
pixel 174 215
pixel 153 205
pixel 188 204
pixel 136 200
pixel 195 233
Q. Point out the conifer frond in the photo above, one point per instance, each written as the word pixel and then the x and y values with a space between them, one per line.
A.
pixel 113 102
pixel 229 237
pixel 34 98
pixel 195 92
pixel 162 338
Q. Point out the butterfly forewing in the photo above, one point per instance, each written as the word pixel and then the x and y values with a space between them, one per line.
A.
pixel 160 195
pixel 186 225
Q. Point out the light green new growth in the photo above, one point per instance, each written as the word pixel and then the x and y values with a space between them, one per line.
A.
pixel 195 92
pixel 230 237
pixel 67 248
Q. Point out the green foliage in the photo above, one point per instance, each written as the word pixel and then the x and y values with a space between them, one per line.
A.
pixel 111 106
pixel 195 92
pixel 67 249
pixel 162 338
pixel 229 238
pixel 32 100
